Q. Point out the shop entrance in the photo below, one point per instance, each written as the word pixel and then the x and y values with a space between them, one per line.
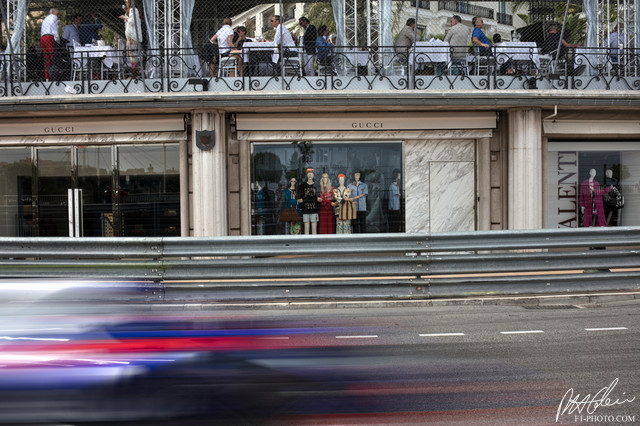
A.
pixel 90 191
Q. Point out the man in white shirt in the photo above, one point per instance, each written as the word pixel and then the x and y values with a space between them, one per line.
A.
pixel 71 31
pixel 283 36
pixel 49 34
pixel 283 39
pixel 224 36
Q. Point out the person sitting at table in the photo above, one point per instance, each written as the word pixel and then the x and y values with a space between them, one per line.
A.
pixel 553 45
pixel 71 31
pixel 458 38
pixel 478 37
pixel 283 41
pixel 239 38
pixel 506 67
pixel 224 39
pixel 324 49
pixel 406 37
pixel 89 32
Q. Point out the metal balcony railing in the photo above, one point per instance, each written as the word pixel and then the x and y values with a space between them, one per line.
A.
pixel 430 66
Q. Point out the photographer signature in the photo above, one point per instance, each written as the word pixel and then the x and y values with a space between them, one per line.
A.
pixel 571 404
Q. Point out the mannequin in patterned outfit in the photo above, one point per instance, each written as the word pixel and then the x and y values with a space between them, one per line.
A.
pixel 340 194
pixel 309 200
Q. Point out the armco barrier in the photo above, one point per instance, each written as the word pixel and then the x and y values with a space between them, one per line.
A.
pixel 340 267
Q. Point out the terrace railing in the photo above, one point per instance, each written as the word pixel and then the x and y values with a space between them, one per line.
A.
pixel 434 66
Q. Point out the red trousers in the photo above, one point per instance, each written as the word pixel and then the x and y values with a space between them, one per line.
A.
pixel 47 43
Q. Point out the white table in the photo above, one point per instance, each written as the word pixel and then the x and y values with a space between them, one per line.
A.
pixel 255 46
pixel 430 52
pixel 106 53
pixel 518 51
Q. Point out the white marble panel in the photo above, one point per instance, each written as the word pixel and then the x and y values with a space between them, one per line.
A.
pixel 452 196
pixel 420 156
pixel 416 172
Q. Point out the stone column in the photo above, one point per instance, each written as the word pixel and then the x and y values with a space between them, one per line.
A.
pixel 525 169
pixel 209 176
pixel 483 166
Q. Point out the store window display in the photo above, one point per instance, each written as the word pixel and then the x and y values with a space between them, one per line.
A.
pixel 375 162
pixel 592 187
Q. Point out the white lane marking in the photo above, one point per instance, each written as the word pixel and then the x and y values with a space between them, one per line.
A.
pixel 441 334
pixel 33 338
pixel 606 329
pixel 274 338
pixel 371 336
pixel 522 332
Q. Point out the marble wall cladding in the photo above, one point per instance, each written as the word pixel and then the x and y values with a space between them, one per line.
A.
pixel 452 196
pixel 439 185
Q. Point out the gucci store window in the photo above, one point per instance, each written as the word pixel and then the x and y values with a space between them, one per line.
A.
pixel 326 188
pixel 593 184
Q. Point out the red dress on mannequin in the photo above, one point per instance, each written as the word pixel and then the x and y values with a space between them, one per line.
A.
pixel 326 213
pixel 591 199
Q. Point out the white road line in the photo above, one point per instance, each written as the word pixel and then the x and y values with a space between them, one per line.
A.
pixel 371 336
pixel 275 338
pixel 606 329
pixel 441 334
pixel 522 332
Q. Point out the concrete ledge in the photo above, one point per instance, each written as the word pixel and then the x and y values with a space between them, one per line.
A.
pixel 524 300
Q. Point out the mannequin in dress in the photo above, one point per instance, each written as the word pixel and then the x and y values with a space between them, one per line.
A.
pixel 309 200
pixel 610 208
pixel 341 194
pixel 326 205
pixel 591 205
pixel 393 210
pixel 359 192
pixel 291 215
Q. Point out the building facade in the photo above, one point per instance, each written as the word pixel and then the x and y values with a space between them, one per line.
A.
pixel 194 164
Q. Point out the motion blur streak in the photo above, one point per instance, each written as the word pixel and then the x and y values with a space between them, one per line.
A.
pixel 68 361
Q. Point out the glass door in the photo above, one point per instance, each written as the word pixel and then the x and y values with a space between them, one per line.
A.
pixel 148 195
pixel 90 191
pixel 95 179
pixel 54 179
pixel 17 217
